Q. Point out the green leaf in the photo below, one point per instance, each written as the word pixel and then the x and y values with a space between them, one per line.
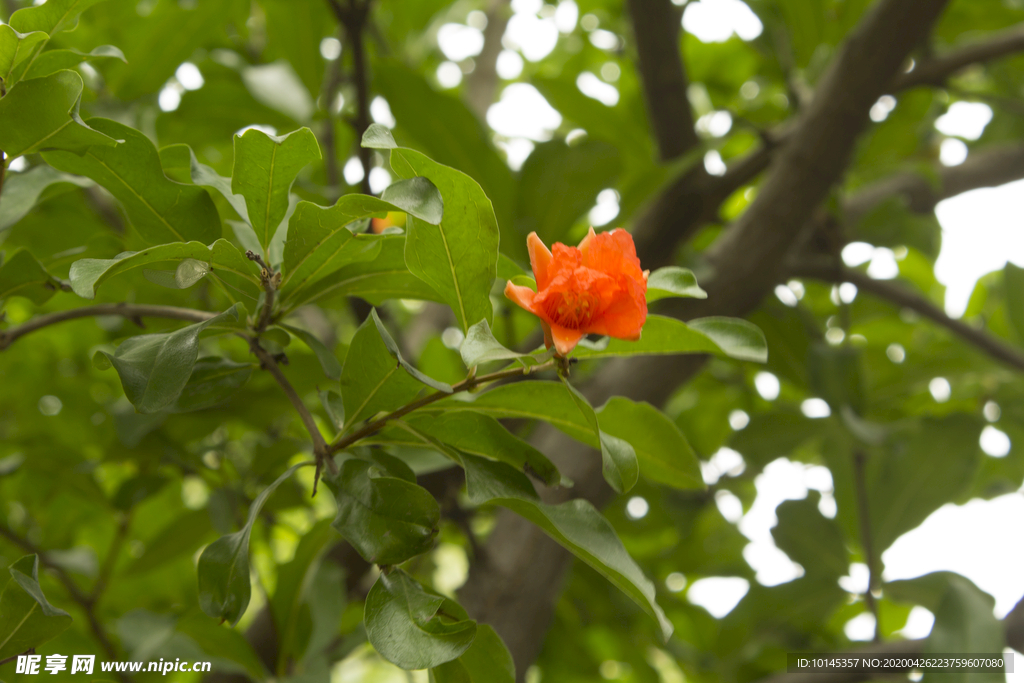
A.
pixel 223 644
pixel 458 258
pixel 412 628
pixel 397 355
pixel 372 380
pixel 1013 281
pixel 378 136
pixel 319 242
pixel 673 281
pixel 330 364
pixel 333 406
pixel 664 454
pixel 27 619
pixel 54 60
pixel 23 275
pixel 264 169
pixel 294 30
pixel 964 619
pixel 417 197
pixel 535 400
pixel 42 114
pixel 15 48
pixel 293 588
pixel 22 191
pixel 576 525
pixel 51 17
pixel 160 209
pixel 811 539
pixel 87 275
pixel 154 368
pixel 212 382
pixel 486 661
pixel 382 512
pixel 480 346
pixel 223 568
pixel 618 459
pixel 477 434
pixel 725 337
pixel 386 277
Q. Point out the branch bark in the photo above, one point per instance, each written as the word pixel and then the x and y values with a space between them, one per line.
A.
pixel 935 70
pixel 907 298
pixel 483 81
pixel 354 18
pixel 656 25
pixel 515 586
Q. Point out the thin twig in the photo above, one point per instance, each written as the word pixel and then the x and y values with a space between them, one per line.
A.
pixel 133 312
pixel 3 169
pixel 469 383
pixel 864 517
pixel 935 70
pixel 908 298
pixel 103 578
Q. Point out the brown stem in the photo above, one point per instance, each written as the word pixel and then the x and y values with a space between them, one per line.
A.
pixel 103 579
pixel 269 363
pixel 864 519
pixel 131 311
pixel 354 18
pixel 469 383
pixel 935 70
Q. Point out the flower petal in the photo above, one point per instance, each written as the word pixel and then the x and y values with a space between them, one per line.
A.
pixel 540 257
pixel 565 339
pixel 523 296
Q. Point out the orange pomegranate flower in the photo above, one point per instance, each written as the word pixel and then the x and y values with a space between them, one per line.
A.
pixel 596 288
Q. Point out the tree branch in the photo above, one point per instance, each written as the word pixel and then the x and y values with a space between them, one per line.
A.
pixel 907 298
pixel 482 82
pixel 935 70
pixel 134 312
pixel 656 27
pixel 354 18
pixel 985 168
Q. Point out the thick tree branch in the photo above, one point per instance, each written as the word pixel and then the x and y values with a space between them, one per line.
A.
pixel 985 168
pixel 515 589
pixel 907 298
pixel 935 70
pixel 656 27
pixel 483 81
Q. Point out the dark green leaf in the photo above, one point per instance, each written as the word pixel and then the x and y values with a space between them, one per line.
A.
pixel 154 368
pixel 417 197
pixel 180 537
pixel 294 30
pixel 576 525
pixel 23 275
pixel 330 364
pixel 27 619
pixel 412 628
pixel 486 661
pixel 88 274
pixel 664 454
pixel 23 190
pixel 42 114
pixel 213 381
pixel 810 538
pixel 672 281
pixel 618 459
pixel 372 380
pixel 264 170
pixel 1013 280
pixel 223 568
pixel 160 209
pixel 458 258
pixel 382 512
pixel 397 355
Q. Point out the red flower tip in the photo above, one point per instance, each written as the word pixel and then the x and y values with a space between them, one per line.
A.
pixel 597 287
